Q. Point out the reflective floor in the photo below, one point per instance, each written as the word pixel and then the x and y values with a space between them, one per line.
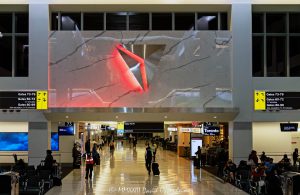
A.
pixel 125 173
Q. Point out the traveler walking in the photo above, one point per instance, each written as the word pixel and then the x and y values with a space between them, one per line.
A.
pixel 148 158
pixel 198 157
pixel 112 148
pixel 89 163
pixel 87 146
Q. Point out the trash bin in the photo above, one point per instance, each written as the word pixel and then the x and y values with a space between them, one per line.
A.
pixel 9 183
pixel 291 183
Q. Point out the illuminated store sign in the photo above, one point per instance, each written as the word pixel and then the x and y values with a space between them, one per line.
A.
pixel 172 129
pixel 265 100
pixel 190 130
pixel 24 100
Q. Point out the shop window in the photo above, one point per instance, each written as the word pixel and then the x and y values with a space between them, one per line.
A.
pixel 276 22
pixel 70 21
pixel 6 56
pixel 294 56
pixel 276 56
pixel 258 56
pixel 161 21
pixel 116 21
pixel 6 23
pixel 207 21
pixel 258 23
pixel 294 22
pixel 184 21
pixel 22 24
pixel 21 50
pixel 93 21
pixel 54 21
pixel 138 21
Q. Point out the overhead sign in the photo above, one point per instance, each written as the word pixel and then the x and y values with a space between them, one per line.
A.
pixel 143 127
pixel 259 100
pixel 265 100
pixel 42 100
pixel 24 100
pixel 120 125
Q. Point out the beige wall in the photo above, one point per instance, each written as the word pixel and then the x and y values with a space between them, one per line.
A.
pixel 268 137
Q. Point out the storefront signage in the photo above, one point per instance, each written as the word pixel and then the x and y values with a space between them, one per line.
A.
pixel 265 100
pixel 212 130
pixel 190 130
pixel 172 128
pixel 24 100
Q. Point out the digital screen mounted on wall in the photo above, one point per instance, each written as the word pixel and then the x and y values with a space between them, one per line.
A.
pixel 140 127
pixel 54 141
pixel 286 127
pixel 13 141
pixel 212 130
pixel 148 73
pixel 66 130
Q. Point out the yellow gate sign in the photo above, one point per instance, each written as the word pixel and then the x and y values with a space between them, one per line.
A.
pixel 259 100
pixel 42 100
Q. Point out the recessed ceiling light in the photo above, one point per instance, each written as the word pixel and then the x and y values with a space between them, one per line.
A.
pixel 166 116
pixel 117 116
pixel 67 116
pixel 215 117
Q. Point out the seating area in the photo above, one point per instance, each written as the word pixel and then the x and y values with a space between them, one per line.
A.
pixel 32 180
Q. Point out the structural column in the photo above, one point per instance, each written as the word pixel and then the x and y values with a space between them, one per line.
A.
pixel 37 142
pixel 240 130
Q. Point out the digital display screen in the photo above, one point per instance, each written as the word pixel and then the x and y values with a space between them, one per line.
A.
pixel 195 142
pixel 289 127
pixel 140 127
pixel 66 130
pixel 54 141
pixel 13 141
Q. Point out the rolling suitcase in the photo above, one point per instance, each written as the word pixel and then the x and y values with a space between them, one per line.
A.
pixel 155 168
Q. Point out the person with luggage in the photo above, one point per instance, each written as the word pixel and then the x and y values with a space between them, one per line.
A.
pixel 148 159
pixel 95 155
pixel 89 163
pixel 154 149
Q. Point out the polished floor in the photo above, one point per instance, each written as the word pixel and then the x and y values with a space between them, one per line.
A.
pixel 125 173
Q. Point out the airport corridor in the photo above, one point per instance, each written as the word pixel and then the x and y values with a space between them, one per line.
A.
pixel 125 173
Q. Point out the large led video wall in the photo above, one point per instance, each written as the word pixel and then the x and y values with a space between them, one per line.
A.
pixel 13 141
pixel 140 69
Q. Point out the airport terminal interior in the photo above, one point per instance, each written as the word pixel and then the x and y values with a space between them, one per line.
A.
pixel 153 97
